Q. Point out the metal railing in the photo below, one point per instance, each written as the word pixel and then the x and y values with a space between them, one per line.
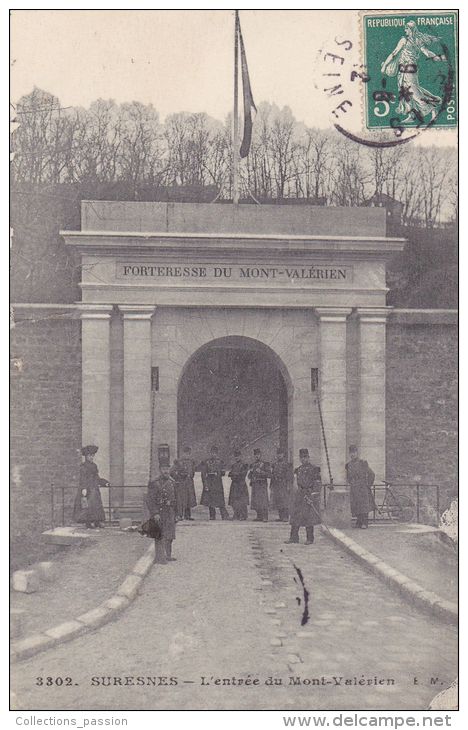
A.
pixel 61 510
pixel 400 502
pixel 394 502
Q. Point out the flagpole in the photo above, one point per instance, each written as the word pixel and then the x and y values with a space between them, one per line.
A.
pixel 235 140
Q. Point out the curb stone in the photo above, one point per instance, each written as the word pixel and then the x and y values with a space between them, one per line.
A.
pixel 96 617
pixel 408 588
pixel 117 603
pixel 143 564
pixel 90 620
pixel 31 645
pixel 129 587
pixel 67 630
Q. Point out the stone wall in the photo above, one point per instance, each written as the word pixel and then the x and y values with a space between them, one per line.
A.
pixel 422 403
pixel 46 406
pixel 45 423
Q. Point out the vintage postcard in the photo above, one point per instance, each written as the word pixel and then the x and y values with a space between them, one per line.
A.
pixel 234 245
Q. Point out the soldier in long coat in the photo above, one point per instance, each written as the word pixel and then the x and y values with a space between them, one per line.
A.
pixel 259 474
pixel 239 493
pixel 360 478
pixel 179 474
pixel 159 513
pixel 305 501
pixel 88 503
pixel 189 464
pixel 280 485
pixel 212 473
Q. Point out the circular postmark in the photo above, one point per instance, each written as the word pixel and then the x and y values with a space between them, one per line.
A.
pixel 392 81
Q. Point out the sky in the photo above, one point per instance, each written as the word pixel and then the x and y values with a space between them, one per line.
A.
pixel 183 60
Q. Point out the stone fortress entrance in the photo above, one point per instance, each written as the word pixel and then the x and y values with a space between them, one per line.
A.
pixel 234 392
pixel 168 288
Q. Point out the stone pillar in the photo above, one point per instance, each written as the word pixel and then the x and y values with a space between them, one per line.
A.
pixel 95 398
pixel 332 383
pixel 372 322
pixel 137 396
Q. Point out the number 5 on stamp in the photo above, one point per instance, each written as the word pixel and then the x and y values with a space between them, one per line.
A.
pixel 411 61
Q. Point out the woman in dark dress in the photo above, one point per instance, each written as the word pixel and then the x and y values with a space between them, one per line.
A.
pixel 88 503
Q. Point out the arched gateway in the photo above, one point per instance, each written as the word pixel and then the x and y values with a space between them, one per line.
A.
pixel 219 399
pixel 163 283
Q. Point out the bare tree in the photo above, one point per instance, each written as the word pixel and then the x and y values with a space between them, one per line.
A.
pixel 257 174
pixel 126 144
pixel 312 160
pixel 434 170
pixel 100 142
pixel 38 140
pixel 452 195
pixel 348 174
pixel 196 149
pixel 218 159
pixel 424 184
pixel 283 147
pixel 141 159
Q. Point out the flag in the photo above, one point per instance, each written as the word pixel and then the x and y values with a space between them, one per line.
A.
pixel 249 103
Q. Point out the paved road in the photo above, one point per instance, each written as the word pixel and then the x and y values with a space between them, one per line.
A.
pixel 232 606
pixel 105 558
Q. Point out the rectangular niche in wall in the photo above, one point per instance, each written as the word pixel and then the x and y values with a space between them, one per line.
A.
pixel 155 379
pixel 314 376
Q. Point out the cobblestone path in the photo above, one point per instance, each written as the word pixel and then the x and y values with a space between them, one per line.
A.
pixel 232 607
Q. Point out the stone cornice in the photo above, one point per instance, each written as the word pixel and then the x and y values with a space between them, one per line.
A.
pixel 91 286
pixel 95 311
pixel 99 242
pixel 332 314
pixel 137 311
pixel 45 306
pixel 217 236
pixel 403 316
pixel 373 315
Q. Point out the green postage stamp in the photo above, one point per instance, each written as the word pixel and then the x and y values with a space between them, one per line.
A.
pixel 411 61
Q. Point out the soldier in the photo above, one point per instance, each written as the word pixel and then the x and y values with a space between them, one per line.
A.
pixel 280 485
pixel 259 474
pixel 360 478
pixel 239 493
pixel 179 474
pixel 189 464
pixel 160 522
pixel 88 503
pixel 305 503
pixel 212 473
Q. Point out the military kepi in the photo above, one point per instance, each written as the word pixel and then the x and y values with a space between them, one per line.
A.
pixel 90 449
pixel 303 452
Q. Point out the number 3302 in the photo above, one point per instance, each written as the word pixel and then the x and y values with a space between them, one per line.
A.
pixel 50 681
